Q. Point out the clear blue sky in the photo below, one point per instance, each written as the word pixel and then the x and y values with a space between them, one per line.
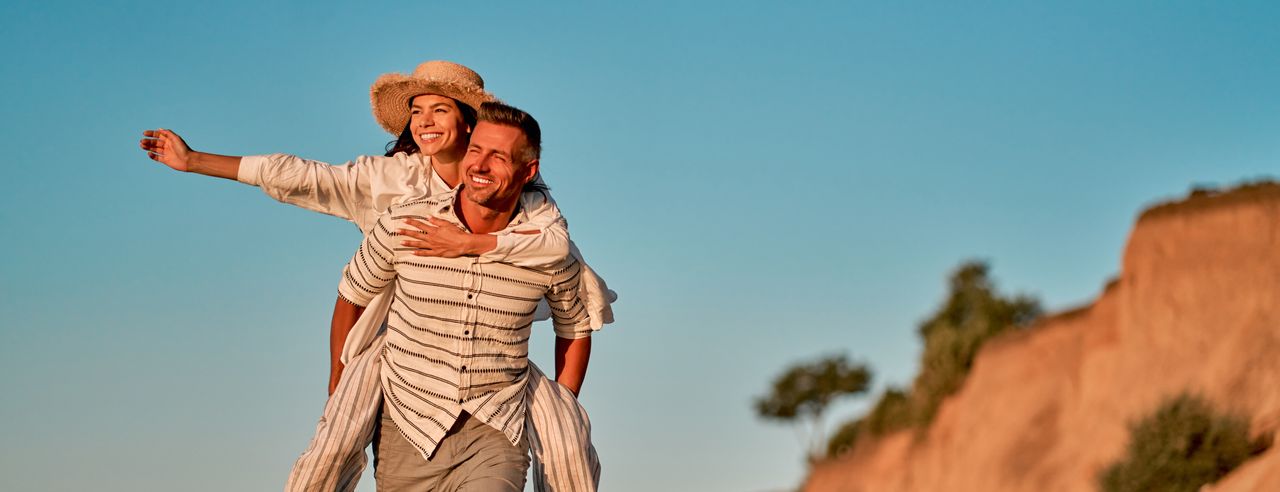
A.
pixel 761 184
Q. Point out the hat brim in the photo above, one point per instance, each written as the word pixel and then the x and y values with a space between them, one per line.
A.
pixel 391 93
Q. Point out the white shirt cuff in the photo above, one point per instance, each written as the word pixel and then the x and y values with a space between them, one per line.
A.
pixel 504 245
pixel 248 173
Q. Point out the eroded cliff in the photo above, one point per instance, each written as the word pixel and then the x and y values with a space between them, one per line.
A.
pixel 1196 308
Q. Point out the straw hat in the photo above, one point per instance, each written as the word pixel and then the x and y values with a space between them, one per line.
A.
pixel 391 93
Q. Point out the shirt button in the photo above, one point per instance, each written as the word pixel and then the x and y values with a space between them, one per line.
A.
pixel 464 368
pixel 468 332
pixel 468 296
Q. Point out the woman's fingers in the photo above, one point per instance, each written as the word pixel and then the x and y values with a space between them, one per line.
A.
pixel 415 234
pixel 438 222
pixel 419 225
pixel 416 244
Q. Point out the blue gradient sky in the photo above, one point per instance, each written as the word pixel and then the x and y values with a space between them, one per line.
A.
pixel 761 184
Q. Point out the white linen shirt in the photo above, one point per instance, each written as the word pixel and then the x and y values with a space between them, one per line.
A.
pixel 360 191
pixel 363 189
pixel 458 333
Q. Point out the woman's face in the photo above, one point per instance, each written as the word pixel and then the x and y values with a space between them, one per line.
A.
pixel 437 126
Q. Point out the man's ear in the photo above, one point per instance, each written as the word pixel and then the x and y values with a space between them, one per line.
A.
pixel 531 171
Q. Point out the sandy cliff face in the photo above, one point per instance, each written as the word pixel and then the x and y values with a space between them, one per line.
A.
pixel 1196 307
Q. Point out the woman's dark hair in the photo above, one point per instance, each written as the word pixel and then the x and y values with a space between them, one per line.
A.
pixel 404 143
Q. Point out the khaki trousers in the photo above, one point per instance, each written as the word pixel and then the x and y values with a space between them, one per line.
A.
pixel 472 457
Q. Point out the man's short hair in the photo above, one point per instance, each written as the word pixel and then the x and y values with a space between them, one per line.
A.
pixel 502 114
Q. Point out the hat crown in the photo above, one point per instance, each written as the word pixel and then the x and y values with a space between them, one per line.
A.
pixel 391 93
pixel 444 71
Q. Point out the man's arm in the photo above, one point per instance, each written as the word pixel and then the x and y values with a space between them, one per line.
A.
pixel 345 315
pixel 369 272
pixel 572 355
pixel 572 325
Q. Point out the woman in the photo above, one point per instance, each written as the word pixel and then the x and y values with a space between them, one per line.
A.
pixel 431 112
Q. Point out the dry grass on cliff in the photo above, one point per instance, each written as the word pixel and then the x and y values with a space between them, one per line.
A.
pixel 1202 199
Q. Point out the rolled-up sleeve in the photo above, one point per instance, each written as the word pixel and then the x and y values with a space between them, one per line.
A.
pixel 342 190
pixel 568 311
pixel 541 241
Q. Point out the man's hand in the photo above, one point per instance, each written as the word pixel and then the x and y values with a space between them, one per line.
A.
pixel 345 315
pixel 166 147
pixel 445 240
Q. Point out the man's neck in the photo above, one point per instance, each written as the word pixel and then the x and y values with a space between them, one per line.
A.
pixel 484 219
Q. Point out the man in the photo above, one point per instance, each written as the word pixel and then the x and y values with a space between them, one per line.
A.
pixel 455 363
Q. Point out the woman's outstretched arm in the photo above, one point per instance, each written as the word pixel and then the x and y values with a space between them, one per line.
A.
pixel 342 191
pixel 166 147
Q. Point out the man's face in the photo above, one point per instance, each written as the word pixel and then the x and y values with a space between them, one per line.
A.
pixel 493 171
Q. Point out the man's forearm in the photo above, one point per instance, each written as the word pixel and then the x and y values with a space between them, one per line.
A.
pixel 221 166
pixel 572 356
pixel 345 315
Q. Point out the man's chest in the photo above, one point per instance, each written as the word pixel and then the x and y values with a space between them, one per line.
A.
pixel 468 293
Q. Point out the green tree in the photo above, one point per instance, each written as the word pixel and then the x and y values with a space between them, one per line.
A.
pixel 893 412
pixel 972 313
pixel 805 391
pixel 1182 446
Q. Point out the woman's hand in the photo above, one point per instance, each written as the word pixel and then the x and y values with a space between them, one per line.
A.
pixel 443 239
pixel 166 147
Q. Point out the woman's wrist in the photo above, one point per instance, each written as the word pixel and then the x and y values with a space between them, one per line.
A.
pixel 197 162
pixel 221 166
pixel 479 244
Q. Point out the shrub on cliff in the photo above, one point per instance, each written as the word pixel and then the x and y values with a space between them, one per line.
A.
pixel 893 412
pixel 1182 446
pixel 972 314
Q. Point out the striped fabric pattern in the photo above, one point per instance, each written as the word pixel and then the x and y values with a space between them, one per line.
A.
pixel 564 459
pixel 361 191
pixel 458 330
pixel 559 438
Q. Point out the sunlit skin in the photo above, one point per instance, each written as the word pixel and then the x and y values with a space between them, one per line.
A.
pixel 491 178
pixel 438 128
pixel 492 172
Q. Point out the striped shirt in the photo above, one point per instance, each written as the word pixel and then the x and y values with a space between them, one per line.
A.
pixel 559 430
pixel 458 329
